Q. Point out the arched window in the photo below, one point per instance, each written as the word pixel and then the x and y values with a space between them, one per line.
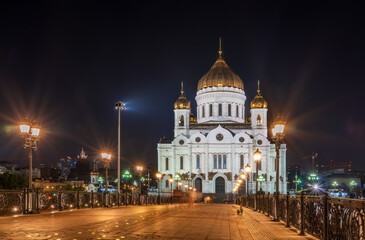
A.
pixel 167 183
pixel 220 109
pixel 181 120
pixel 242 164
pixel 197 161
pixel 220 161
pixel 166 163
pixel 181 162
pixel 215 161
pixel 237 111
pixel 259 119
pixel 229 109
pixel 203 111
pixel 210 110
pixel 224 161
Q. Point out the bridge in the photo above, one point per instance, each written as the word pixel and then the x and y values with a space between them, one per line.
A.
pixel 171 221
pixel 84 215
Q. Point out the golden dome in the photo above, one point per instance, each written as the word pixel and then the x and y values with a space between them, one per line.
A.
pixel 220 75
pixel 182 102
pixel 259 101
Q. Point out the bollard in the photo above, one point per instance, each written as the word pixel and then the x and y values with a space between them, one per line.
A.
pixel 325 216
pixel 302 214
pixel 59 200
pixel 287 210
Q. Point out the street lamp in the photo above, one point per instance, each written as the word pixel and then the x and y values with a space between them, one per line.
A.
pixel 171 180
pixel 257 156
pixel 179 184
pixel 107 159
pixel 140 169
pixel 119 106
pixel 30 132
pixel 278 138
pixel 248 170
pixel 158 175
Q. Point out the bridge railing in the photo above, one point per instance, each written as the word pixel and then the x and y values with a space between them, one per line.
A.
pixel 24 201
pixel 321 216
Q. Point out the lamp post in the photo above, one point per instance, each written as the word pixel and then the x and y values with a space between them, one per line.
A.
pixel 257 156
pixel 158 175
pixel 278 138
pixel 248 170
pixel 106 159
pixel 119 106
pixel 171 180
pixel 30 132
pixel 140 169
pixel 179 184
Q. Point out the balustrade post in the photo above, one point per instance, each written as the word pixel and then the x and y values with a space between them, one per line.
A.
pixel 24 201
pixel 37 200
pixel 268 204
pixel 118 199
pixel 92 199
pixel 59 200
pixel 302 214
pixel 325 217
pixel 287 210
pixel 78 199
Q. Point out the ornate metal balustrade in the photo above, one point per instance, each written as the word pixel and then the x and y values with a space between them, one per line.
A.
pixel 16 202
pixel 321 216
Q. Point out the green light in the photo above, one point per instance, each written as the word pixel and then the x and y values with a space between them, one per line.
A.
pixel 261 179
pixel 143 179
pixel 177 177
pixel 126 174
pixel 353 183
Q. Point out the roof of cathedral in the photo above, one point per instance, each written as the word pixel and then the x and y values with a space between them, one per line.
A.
pixel 224 125
pixel 220 75
pixel 182 102
pixel 259 101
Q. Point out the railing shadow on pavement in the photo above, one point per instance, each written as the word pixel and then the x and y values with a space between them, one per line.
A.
pixel 320 216
pixel 25 202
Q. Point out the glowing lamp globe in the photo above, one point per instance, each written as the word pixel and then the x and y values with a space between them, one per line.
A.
pixel 257 156
pixel 248 168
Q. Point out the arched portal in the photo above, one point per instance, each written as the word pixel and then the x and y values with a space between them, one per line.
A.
pixel 199 185
pixel 220 185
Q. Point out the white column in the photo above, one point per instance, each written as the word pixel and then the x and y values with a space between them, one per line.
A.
pixel 206 158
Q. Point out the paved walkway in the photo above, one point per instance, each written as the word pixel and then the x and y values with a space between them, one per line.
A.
pixel 210 221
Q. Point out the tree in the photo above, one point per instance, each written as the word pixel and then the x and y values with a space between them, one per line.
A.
pixel 13 181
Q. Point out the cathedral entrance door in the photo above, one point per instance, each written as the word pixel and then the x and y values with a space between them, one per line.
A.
pixel 220 185
pixel 199 185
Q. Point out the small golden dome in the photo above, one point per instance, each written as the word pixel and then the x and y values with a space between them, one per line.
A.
pixel 259 101
pixel 220 75
pixel 182 102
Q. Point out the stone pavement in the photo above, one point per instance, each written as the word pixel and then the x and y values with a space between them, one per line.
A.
pixel 200 221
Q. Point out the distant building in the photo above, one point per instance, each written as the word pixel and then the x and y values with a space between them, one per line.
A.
pixel 94 179
pixel 333 165
pixel 294 173
pixel 82 166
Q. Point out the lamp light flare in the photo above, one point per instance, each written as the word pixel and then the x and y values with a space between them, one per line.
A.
pixel 106 156
pixel 171 180
pixel 24 128
pixel 35 132
pixel 139 168
pixel 158 175
pixel 243 176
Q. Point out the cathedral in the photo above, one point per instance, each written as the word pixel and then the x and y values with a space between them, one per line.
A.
pixel 211 150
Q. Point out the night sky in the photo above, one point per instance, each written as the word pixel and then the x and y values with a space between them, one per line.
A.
pixel 67 63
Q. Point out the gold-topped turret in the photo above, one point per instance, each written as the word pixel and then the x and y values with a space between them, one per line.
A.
pixel 220 74
pixel 182 102
pixel 259 101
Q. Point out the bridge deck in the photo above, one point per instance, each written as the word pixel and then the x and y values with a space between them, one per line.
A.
pixel 210 221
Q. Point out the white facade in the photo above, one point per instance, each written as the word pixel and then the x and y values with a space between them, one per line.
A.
pixel 213 150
